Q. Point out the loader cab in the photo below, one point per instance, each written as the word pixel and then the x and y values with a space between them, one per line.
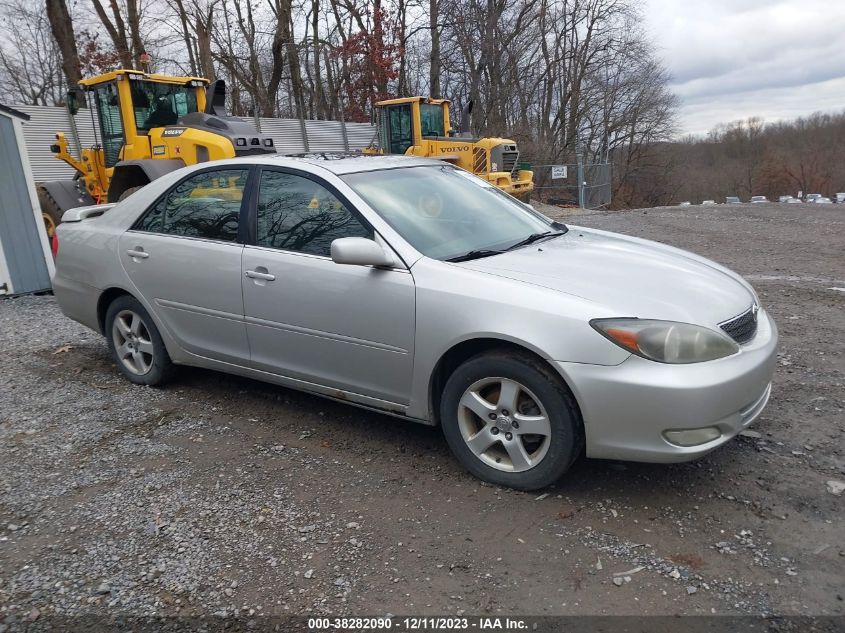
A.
pixel 146 125
pixel 404 123
pixel 130 103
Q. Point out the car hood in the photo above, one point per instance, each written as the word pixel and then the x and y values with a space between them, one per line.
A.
pixel 628 276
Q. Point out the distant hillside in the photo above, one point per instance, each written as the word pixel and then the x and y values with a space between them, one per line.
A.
pixel 742 159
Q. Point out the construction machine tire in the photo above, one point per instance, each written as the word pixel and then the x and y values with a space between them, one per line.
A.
pixel 51 212
pixel 128 192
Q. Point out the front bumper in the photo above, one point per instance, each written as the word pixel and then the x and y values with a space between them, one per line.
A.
pixel 627 407
pixel 518 184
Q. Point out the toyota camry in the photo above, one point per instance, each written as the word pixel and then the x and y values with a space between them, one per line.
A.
pixel 411 287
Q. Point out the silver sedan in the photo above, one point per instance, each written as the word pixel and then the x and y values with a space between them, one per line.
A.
pixel 413 288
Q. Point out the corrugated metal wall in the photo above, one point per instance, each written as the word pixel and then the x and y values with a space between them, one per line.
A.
pixel 40 133
pixel 360 135
pixel 287 134
pixel 18 229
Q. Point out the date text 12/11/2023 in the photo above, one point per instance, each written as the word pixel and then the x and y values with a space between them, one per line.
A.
pixel 422 623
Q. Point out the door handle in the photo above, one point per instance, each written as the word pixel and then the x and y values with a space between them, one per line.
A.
pixel 254 274
pixel 138 252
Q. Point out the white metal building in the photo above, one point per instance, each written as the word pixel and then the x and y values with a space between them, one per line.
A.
pixel 26 263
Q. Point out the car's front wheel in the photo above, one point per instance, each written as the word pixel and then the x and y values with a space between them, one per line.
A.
pixel 510 420
pixel 135 343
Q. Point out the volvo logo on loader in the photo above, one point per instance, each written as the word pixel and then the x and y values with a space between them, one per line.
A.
pixel 461 148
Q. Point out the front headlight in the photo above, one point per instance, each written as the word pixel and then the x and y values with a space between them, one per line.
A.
pixel 666 341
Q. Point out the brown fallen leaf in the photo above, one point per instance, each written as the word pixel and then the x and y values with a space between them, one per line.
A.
pixel 693 561
pixel 63 349
pixel 565 514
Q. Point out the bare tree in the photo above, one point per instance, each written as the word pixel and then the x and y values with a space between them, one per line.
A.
pixel 562 77
pixel 61 26
pixel 195 19
pixel 30 61
pixel 116 28
pixel 434 57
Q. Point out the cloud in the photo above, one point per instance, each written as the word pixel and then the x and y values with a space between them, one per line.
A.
pixel 773 104
pixel 732 59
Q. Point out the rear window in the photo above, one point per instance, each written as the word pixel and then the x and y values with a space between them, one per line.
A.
pixel 206 205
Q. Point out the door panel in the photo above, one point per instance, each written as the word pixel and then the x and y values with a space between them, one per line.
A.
pixel 194 286
pixel 401 128
pixel 111 124
pixel 184 258
pixel 349 327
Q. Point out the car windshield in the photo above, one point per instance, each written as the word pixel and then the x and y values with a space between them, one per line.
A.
pixel 447 213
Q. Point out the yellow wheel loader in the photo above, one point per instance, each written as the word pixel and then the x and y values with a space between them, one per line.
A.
pixel 147 125
pixel 419 126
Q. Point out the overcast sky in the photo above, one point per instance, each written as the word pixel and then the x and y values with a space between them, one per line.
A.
pixel 731 59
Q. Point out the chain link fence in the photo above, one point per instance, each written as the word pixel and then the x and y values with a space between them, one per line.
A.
pixel 585 185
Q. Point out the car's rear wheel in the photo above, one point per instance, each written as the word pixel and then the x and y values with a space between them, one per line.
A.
pixel 510 420
pixel 135 343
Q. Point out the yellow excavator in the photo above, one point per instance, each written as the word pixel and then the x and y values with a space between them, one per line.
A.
pixel 147 125
pixel 420 126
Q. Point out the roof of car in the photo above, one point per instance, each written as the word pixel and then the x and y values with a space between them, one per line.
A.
pixel 344 162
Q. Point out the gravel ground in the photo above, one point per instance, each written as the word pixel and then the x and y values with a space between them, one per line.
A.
pixel 224 496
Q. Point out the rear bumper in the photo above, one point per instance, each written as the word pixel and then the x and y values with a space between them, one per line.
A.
pixel 627 408
pixel 77 300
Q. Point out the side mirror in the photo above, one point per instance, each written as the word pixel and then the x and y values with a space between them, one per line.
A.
pixel 360 251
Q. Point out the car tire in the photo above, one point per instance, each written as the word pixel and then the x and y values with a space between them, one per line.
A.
pixel 476 410
pixel 135 343
pixel 51 212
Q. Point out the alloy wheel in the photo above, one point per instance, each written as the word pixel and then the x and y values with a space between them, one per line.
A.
pixel 132 342
pixel 504 424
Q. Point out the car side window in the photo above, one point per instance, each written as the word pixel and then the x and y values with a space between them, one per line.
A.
pixel 206 205
pixel 299 214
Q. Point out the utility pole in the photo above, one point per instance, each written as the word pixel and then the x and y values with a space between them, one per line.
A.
pixel 579 157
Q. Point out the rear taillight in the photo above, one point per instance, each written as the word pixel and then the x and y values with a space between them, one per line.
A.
pixel 54 245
